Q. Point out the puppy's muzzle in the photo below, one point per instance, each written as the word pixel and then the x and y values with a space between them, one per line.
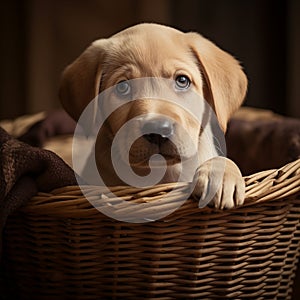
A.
pixel 158 131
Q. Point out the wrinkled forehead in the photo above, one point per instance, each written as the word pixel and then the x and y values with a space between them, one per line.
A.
pixel 148 54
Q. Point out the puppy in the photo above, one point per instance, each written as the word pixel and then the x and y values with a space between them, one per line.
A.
pixel 188 60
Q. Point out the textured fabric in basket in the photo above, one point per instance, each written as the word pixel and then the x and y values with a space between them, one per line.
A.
pixel 25 170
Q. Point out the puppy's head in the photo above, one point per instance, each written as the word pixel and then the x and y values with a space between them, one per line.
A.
pixel 154 51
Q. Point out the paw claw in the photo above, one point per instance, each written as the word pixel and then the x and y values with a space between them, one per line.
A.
pixel 230 190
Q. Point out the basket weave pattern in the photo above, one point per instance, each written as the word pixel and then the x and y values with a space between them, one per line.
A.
pixel 60 247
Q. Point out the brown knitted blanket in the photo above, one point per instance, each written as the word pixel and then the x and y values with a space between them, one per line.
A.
pixel 25 170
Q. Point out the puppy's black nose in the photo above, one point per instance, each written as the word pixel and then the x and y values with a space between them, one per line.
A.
pixel 157 131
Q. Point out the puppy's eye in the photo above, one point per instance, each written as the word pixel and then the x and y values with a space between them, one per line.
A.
pixel 123 88
pixel 182 82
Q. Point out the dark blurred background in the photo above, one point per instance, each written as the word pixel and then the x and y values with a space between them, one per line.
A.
pixel 39 38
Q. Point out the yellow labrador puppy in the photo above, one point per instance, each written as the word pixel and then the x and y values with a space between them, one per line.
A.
pixel 191 62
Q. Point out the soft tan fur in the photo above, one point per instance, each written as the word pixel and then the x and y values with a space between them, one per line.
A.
pixel 151 50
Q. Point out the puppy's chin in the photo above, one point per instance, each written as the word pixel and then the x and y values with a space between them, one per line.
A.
pixel 171 174
pixel 156 160
pixel 173 167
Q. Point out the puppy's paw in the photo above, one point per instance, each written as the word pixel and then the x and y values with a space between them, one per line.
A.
pixel 219 183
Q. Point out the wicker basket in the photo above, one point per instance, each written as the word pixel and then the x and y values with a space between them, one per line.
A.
pixel 61 247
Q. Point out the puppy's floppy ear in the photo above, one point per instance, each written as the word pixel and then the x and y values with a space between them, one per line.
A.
pixel 80 81
pixel 225 81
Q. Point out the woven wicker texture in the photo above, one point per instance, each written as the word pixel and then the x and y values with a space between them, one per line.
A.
pixel 60 247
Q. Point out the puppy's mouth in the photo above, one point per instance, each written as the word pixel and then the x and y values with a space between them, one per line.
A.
pixel 160 153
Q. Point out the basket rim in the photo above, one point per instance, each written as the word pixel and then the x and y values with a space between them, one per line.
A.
pixel 269 185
